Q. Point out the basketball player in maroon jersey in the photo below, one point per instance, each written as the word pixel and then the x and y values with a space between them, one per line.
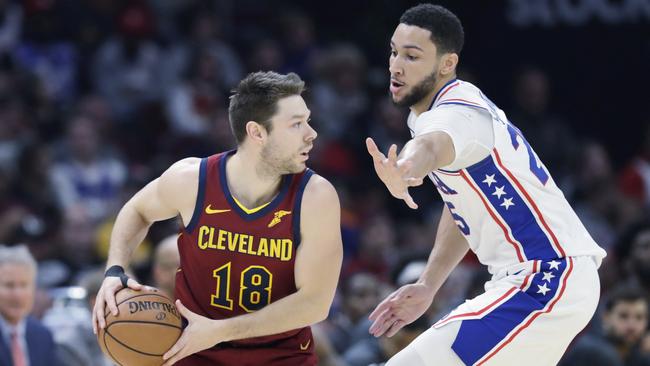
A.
pixel 261 245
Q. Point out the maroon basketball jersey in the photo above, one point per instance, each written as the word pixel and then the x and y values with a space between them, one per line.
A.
pixel 233 263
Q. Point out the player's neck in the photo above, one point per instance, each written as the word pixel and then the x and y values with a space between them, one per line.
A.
pixel 424 103
pixel 246 183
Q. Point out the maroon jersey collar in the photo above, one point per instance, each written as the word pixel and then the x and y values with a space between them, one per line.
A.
pixel 284 188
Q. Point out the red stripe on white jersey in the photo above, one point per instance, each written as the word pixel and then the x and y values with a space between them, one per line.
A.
pixel 448 89
pixel 476 314
pixel 460 100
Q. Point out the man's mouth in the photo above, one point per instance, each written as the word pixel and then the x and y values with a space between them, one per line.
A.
pixel 395 85
pixel 305 153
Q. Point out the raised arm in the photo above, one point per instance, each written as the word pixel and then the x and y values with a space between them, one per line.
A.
pixel 317 268
pixel 411 301
pixel 420 156
pixel 163 198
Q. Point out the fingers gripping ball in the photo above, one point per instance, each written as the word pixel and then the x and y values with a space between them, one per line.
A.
pixel 148 324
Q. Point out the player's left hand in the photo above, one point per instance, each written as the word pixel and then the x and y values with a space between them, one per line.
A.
pixel 393 172
pixel 197 336
pixel 400 308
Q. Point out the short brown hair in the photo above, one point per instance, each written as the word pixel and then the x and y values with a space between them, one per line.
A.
pixel 256 99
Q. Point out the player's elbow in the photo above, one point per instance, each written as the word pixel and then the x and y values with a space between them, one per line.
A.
pixel 319 305
pixel 321 313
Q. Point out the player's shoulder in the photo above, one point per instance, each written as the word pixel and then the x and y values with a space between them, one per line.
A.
pixel 184 167
pixel 319 192
pixel 464 101
pixel 460 93
pixel 186 164
pixel 180 174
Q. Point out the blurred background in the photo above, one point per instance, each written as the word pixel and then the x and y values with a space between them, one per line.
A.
pixel 98 97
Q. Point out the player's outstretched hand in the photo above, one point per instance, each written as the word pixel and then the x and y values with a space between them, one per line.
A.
pixel 197 336
pixel 401 307
pixel 393 173
pixel 106 296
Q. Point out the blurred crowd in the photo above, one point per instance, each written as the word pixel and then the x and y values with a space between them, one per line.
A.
pixel 99 97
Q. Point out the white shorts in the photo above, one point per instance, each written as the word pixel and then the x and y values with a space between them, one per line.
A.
pixel 528 315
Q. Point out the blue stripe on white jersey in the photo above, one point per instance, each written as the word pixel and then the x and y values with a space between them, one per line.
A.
pixel 512 208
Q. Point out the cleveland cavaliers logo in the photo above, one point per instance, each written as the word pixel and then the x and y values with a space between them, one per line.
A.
pixel 278 217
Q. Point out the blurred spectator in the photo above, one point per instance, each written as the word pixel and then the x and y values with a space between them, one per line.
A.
pixel 127 67
pixel 546 132
pixel 360 293
pixel 299 41
pixel 11 212
pixel 87 179
pixel 40 224
pixel 376 246
pixel 624 321
pixel 24 340
pixel 596 198
pixel 327 355
pixel 166 262
pixel 11 16
pixel 45 52
pixel 193 104
pixel 638 261
pixel 388 127
pixel 205 39
pixel 16 128
pixel 69 319
pixel 374 350
pixel 265 55
pixel 634 180
pixel 339 97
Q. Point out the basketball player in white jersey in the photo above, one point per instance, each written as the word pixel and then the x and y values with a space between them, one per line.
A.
pixel 500 202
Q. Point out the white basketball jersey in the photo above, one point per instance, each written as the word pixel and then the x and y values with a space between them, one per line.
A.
pixel 507 205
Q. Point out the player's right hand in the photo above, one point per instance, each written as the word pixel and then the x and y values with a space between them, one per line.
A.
pixel 393 172
pixel 106 296
pixel 401 307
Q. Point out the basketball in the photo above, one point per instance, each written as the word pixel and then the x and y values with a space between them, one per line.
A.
pixel 147 326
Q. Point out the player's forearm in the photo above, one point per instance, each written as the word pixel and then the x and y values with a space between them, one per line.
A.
pixel 448 251
pixel 421 155
pixel 291 312
pixel 129 230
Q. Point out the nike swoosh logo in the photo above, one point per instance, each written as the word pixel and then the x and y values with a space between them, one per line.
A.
pixel 304 348
pixel 210 211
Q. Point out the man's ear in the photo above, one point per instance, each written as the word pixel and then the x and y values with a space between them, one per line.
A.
pixel 256 132
pixel 448 63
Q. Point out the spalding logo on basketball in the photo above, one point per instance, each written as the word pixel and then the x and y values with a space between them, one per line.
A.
pixel 147 326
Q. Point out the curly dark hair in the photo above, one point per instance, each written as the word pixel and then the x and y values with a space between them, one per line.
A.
pixel 445 27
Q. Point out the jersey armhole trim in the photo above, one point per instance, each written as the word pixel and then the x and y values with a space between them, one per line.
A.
pixel 297 206
pixel 200 195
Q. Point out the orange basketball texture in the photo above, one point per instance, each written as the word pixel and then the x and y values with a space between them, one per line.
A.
pixel 147 326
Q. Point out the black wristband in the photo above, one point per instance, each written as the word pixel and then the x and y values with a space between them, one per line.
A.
pixel 118 271
pixel 114 271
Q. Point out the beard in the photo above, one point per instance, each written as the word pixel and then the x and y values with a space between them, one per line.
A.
pixel 274 163
pixel 419 91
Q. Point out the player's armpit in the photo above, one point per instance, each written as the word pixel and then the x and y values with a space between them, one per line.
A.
pixel 319 257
